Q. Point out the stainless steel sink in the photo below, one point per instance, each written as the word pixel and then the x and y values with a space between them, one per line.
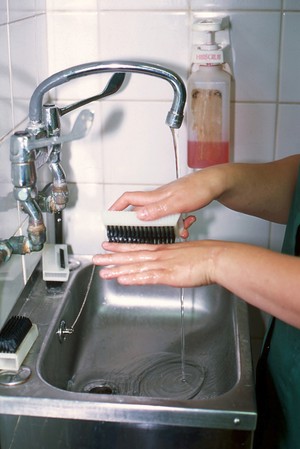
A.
pixel 120 372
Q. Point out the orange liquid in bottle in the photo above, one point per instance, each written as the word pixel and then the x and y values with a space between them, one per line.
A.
pixel 205 154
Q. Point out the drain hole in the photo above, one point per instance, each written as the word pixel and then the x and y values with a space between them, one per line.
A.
pixel 100 387
pixel 105 389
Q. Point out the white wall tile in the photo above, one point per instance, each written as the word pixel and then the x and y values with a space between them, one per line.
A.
pixel 217 222
pixel 288 130
pixel 255 46
pixel 82 218
pixel 41 43
pixel 236 4
pixel 113 191
pixel 8 211
pixel 140 151
pixel 254 132
pixel 157 37
pixel 22 47
pixel 3 12
pixel 290 60
pixel 291 5
pixel 83 159
pixel 24 66
pixel 143 4
pixel 20 9
pixel 276 236
pixel 40 6
pixel 73 40
pixel 72 5
pixel 11 285
pixel 5 88
pixel 5 169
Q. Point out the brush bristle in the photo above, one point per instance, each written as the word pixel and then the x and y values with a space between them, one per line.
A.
pixel 13 333
pixel 141 234
pixel 125 227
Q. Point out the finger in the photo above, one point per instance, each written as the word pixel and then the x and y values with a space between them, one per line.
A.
pixel 137 274
pixel 130 269
pixel 129 247
pixel 132 199
pixel 152 277
pixel 117 258
pixel 187 223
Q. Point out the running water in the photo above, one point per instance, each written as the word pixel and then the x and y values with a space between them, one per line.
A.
pixel 176 155
pixel 181 292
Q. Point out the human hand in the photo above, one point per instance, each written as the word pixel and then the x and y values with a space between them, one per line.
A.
pixel 184 195
pixel 186 264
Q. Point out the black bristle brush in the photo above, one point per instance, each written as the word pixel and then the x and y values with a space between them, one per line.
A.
pixel 13 333
pixel 125 227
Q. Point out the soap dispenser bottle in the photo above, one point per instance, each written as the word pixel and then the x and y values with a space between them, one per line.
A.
pixel 208 100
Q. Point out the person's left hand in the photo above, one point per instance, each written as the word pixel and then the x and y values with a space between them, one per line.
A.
pixel 186 264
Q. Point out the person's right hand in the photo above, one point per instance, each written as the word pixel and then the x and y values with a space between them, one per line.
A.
pixel 182 196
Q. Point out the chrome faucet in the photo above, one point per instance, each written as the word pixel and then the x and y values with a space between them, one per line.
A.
pixel 175 115
pixel 41 143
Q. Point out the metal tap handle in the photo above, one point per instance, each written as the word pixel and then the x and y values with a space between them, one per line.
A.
pixel 80 129
pixel 112 87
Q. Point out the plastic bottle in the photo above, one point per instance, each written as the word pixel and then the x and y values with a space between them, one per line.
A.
pixel 208 111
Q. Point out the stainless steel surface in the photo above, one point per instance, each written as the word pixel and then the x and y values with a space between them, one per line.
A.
pixel 71 378
pixel 114 85
pixel 175 115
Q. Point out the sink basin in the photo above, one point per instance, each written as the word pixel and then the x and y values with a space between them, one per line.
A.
pixel 174 361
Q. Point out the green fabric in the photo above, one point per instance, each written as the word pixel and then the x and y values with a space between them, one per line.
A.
pixel 279 375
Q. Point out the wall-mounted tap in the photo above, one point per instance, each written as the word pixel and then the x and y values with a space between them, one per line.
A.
pixel 41 143
pixel 175 115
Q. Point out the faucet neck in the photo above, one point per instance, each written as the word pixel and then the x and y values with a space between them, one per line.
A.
pixel 175 115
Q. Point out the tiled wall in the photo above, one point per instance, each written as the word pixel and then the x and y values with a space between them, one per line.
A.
pixel 23 64
pixel 129 145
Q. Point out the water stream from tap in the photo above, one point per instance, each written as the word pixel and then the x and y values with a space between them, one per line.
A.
pixel 181 290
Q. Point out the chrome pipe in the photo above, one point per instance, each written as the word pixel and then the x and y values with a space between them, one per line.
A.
pixel 175 115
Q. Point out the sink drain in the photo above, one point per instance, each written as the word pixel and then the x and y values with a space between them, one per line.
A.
pixel 100 387
pixel 14 378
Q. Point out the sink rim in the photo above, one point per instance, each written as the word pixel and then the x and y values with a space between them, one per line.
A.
pixel 39 398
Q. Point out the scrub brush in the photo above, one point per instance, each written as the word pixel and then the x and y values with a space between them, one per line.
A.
pixel 125 227
pixel 16 338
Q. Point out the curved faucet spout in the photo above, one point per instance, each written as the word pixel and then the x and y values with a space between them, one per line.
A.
pixel 175 115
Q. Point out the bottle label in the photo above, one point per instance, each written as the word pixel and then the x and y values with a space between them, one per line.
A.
pixel 207 57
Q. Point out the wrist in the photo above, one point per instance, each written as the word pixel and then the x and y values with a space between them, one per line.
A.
pixel 218 180
pixel 217 261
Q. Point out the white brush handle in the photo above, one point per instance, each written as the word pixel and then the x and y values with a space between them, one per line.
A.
pixel 129 218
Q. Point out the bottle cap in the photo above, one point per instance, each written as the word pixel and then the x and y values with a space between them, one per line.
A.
pixel 208 52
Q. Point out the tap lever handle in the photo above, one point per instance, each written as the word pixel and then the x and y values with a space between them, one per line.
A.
pixel 81 128
pixel 112 87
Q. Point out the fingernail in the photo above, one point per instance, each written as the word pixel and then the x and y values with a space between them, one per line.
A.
pixel 104 273
pixel 142 213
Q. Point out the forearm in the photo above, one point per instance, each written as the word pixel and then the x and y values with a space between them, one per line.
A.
pixel 261 277
pixel 263 190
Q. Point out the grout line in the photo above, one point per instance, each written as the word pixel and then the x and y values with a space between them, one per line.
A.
pixel 10 69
